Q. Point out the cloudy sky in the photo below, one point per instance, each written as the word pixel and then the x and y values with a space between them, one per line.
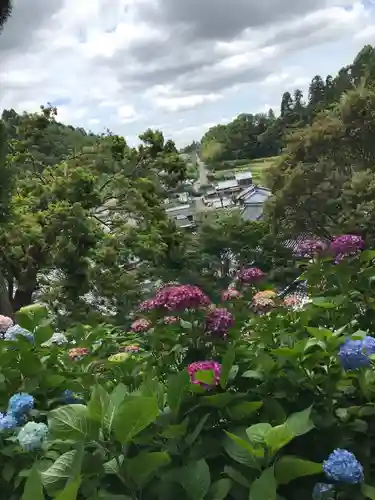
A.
pixel 178 65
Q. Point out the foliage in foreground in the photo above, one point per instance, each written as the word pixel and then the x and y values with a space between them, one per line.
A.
pixel 255 398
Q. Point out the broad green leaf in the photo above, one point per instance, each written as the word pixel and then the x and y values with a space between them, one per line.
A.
pixel 277 437
pixel 33 489
pixel 257 432
pixel 220 489
pixel 289 468
pixel 265 487
pixel 236 476
pixel 31 316
pixel 72 422
pixel 226 365
pixel 113 466
pixel 190 438
pixel 368 491
pixel 319 333
pixel 218 400
pixel 70 491
pixel 241 451
pixel 253 374
pixel 145 465
pixel 116 398
pixel 176 431
pixel 205 377
pixel 178 386
pixel 98 404
pixel 134 414
pixel 300 423
pixel 195 478
pixel 367 255
pixel 244 409
pixel 56 476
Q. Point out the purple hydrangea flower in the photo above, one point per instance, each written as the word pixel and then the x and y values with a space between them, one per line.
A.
pixel 354 354
pixel 345 245
pixel 343 466
pixel 310 248
pixel 218 321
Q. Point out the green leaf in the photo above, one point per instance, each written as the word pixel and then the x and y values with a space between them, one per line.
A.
pixel 367 255
pixel 31 316
pixel 70 491
pixel 218 400
pixel 257 432
pixel 113 466
pixel 72 422
pixel 265 487
pixel 242 410
pixel 116 398
pixel 289 468
pixel 195 478
pixel 220 489
pixel 241 451
pixel 253 374
pixel 226 365
pixel 236 476
pixel 277 437
pixel 98 404
pixel 300 423
pixel 144 466
pixel 176 431
pixel 134 414
pixel 56 476
pixel 178 386
pixel 319 333
pixel 33 489
pixel 368 491
pixel 190 438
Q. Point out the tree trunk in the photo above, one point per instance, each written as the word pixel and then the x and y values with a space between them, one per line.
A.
pixel 6 308
pixel 22 297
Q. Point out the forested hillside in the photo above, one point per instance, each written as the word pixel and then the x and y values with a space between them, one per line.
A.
pixel 259 135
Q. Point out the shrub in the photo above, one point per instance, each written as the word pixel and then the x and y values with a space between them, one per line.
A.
pixel 199 401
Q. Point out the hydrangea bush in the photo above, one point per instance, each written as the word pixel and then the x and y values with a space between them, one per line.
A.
pixel 254 398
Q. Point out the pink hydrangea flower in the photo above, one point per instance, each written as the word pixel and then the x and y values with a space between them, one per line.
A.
pixel 345 245
pixel 311 247
pixel 292 301
pixel 170 320
pixel 198 366
pixel 77 353
pixel 141 325
pixel 5 323
pixel 230 294
pixel 264 301
pixel 176 297
pixel 218 321
pixel 250 275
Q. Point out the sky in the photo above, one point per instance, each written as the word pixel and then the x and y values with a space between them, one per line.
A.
pixel 181 66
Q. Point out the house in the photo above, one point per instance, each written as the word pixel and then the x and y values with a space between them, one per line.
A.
pixel 252 200
pixel 244 178
pixel 183 215
pixel 227 187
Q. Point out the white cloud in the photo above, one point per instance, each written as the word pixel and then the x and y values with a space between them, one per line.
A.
pixel 120 67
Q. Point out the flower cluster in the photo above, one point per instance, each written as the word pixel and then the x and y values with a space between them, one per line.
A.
pixel 69 397
pixel 7 421
pixel 310 248
pixel 141 325
pixel 58 339
pixel 19 406
pixel 133 348
pixel 32 435
pixel 15 331
pixel 354 354
pixel 5 323
pixel 230 294
pixel 170 320
pixel 343 466
pixel 176 297
pixel 323 491
pixel 218 322
pixel 345 245
pixel 264 301
pixel 292 301
pixel 199 366
pixel 77 353
pixel 250 275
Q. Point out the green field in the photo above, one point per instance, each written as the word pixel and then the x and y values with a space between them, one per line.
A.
pixel 258 168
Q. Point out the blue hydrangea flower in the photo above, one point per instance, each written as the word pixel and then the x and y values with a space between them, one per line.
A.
pixel 354 354
pixel 58 339
pixel 7 422
pixel 32 436
pixel 14 331
pixel 71 397
pixel 20 404
pixel 342 465
pixel 323 491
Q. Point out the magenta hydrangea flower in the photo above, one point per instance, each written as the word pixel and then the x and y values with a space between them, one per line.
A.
pixel 310 248
pixel 198 366
pixel 218 322
pixel 345 245
pixel 176 297
pixel 141 325
pixel 230 294
pixel 5 323
pixel 250 275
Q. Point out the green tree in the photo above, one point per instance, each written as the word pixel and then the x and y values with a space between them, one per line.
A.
pixel 5 11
